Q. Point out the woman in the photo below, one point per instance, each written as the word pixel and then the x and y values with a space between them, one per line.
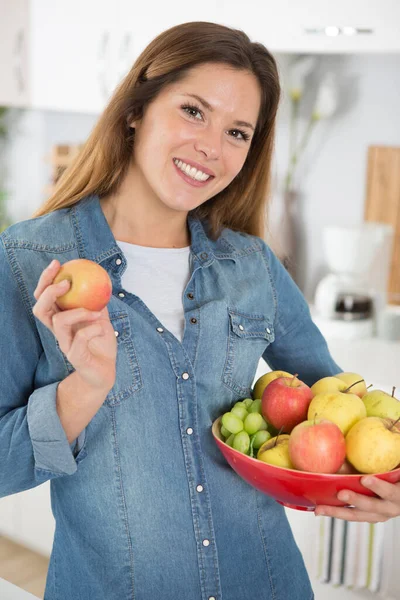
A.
pixel 168 195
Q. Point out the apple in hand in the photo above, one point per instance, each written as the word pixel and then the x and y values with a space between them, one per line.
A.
pixel 373 445
pixel 317 446
pixel 342 382
pixel 381 404
pixel 90 287
pixel 285 402
pixel 264 380
pixel 276 452
pixel 343 409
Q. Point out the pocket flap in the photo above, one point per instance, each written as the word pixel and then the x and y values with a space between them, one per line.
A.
pixel 251 326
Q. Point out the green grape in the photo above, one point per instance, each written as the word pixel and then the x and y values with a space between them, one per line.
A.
pixel 264 424
pixel 225 432
pixel 247 402
pixel 239 411
pixel 259 438
pixel 232 422
pixel 241 442
pixel 252 422
pixel 256 406
pixel 230 439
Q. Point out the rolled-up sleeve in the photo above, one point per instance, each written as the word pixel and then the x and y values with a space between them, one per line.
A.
pixel 33 445
pixel 299 346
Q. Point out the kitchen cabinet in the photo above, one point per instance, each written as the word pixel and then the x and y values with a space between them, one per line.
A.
pixel 317 26
pixel 70 55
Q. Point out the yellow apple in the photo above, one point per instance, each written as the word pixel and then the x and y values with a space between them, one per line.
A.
pixel 343 409
pixel 381 404
pixel 264 380
pixel 340 383
pixel 373 445
pixel 276 452
pixel 360 389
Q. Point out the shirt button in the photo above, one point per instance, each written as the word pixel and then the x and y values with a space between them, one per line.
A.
pixel 268 330
pixel 121 295
pixel 185 375
pixel 199 488
pixel 116 333
pixel 211 598
pixel 189 431
pixel 118 261
pixel 190 296
pixel 241 327
pixel 160 330
pixel 206 542
pixel 204 255
pixel 193 320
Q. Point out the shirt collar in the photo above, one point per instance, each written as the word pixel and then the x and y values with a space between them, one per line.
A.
pixel 97 242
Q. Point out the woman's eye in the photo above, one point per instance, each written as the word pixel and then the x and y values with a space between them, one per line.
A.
pixel 240 135
pixel 191 111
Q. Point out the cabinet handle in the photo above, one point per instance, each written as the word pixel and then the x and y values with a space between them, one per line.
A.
pixel 102 61
pixel 334 31
pixel 18 54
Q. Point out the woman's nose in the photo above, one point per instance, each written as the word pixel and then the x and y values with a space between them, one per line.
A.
pixel 209 143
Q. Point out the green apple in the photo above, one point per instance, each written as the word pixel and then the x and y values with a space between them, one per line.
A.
pixel 373 445
pixel 381 404
pixel 276 452
pixel 343 409
pixel 342 382
pixel 264 380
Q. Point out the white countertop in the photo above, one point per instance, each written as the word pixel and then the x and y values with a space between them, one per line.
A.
pixel 8 591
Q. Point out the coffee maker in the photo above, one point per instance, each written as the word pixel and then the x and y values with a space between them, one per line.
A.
pixel 350 298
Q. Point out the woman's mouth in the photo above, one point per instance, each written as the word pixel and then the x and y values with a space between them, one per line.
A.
pixel 191 175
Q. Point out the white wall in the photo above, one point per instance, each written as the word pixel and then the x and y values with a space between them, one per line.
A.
pixel 331 176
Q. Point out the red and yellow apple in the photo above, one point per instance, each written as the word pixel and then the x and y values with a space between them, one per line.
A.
pixel 317 446
pixel 264 380
pixel 90 287
pixel 285 402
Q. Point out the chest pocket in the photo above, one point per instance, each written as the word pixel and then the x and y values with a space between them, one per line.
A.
pixel 129 377
pixel 248 336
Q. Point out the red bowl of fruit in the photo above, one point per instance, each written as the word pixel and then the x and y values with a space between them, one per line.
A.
pixel 301 490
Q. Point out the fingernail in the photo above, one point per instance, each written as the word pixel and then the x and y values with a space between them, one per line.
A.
pixel 64 283
pixel 319 513
pixel 367 481
pixel 343 496
pixel 53 262
pixel 96 313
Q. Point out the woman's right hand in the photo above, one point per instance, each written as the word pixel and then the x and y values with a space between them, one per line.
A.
pixel 86 338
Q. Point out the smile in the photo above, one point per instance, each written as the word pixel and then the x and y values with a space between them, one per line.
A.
pixel 191 172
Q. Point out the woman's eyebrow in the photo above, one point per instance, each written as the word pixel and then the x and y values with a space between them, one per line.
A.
pixel 210 108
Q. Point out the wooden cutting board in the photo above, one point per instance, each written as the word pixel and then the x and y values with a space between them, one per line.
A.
pixel 382 203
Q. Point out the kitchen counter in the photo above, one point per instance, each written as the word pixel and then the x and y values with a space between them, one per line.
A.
pixel 8 591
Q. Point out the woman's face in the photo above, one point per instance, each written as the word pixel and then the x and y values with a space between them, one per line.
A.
pixel 204 123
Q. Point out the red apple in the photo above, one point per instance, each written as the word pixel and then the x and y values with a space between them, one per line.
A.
pixel 317 446
pixel 285 402
pixel 90 287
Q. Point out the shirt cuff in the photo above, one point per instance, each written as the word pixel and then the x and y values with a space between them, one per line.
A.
pixel 51 449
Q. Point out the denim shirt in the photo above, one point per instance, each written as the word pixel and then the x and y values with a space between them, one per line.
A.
pixel 145 505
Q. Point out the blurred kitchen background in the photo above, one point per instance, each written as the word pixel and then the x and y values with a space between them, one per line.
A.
pixel 335 200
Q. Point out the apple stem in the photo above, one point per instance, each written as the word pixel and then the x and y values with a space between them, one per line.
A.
pixel 394 387
pixel 294 377
pixel 370 385
pixel 350 386
pixel 279 433
pixel 393 424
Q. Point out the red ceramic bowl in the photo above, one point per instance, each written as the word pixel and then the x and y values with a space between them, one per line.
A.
pixel 296 489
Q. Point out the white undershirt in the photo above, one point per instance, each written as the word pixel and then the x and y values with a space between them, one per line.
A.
pixel 158 276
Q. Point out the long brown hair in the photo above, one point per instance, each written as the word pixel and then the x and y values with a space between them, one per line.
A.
pixel 102 162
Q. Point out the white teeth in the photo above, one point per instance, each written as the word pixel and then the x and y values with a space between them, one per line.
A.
pixel 191 171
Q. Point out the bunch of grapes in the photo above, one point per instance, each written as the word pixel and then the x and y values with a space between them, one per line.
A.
pixel 244 428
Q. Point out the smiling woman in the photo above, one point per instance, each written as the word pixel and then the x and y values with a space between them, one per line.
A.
pixel 168 195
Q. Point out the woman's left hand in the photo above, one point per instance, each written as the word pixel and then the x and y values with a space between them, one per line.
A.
pixel 366 508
